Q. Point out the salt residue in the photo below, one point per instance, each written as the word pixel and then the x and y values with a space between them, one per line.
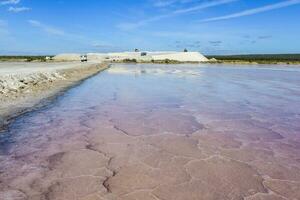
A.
pixel 138 56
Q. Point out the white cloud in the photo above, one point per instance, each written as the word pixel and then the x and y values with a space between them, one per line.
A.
pixel 203 6
pixel 46 28
pixel 9 2
pixel 254 11
pixel 18 9
pixel 129 26
pixel 12 8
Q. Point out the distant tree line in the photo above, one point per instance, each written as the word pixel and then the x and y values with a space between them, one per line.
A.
pixel 259 57
pixel 23 58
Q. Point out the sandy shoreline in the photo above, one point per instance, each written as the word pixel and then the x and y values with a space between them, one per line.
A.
pixel 23 86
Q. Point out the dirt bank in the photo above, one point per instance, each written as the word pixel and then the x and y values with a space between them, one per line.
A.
pixel 24 86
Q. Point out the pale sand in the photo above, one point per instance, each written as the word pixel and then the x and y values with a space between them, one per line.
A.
pixel 25 85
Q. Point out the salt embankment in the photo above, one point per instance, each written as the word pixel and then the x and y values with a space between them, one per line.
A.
pixel 24 85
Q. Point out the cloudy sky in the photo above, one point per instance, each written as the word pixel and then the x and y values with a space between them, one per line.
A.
pixel 208 26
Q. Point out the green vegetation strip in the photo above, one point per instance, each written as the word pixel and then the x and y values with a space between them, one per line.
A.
pixel 24 58
pixel 259 57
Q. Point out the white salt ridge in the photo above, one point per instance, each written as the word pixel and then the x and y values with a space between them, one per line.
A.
pixel 14 83
pixel 156 56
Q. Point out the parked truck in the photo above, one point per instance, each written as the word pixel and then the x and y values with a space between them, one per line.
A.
pixel 83 58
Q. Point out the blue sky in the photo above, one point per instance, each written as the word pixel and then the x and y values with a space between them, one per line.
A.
pixel 208 26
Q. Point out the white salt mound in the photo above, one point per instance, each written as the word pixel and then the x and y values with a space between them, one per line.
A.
pixel 182 57
pixel 138 56
pixel 67 57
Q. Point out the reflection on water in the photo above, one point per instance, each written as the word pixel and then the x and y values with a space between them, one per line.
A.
pixel 161 132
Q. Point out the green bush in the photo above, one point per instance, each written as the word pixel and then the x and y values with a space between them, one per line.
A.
pixel 130 61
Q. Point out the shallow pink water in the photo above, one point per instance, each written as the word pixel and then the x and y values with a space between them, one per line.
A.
pixel 161 132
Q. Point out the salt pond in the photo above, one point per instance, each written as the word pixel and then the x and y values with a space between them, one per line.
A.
pixel 180 132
